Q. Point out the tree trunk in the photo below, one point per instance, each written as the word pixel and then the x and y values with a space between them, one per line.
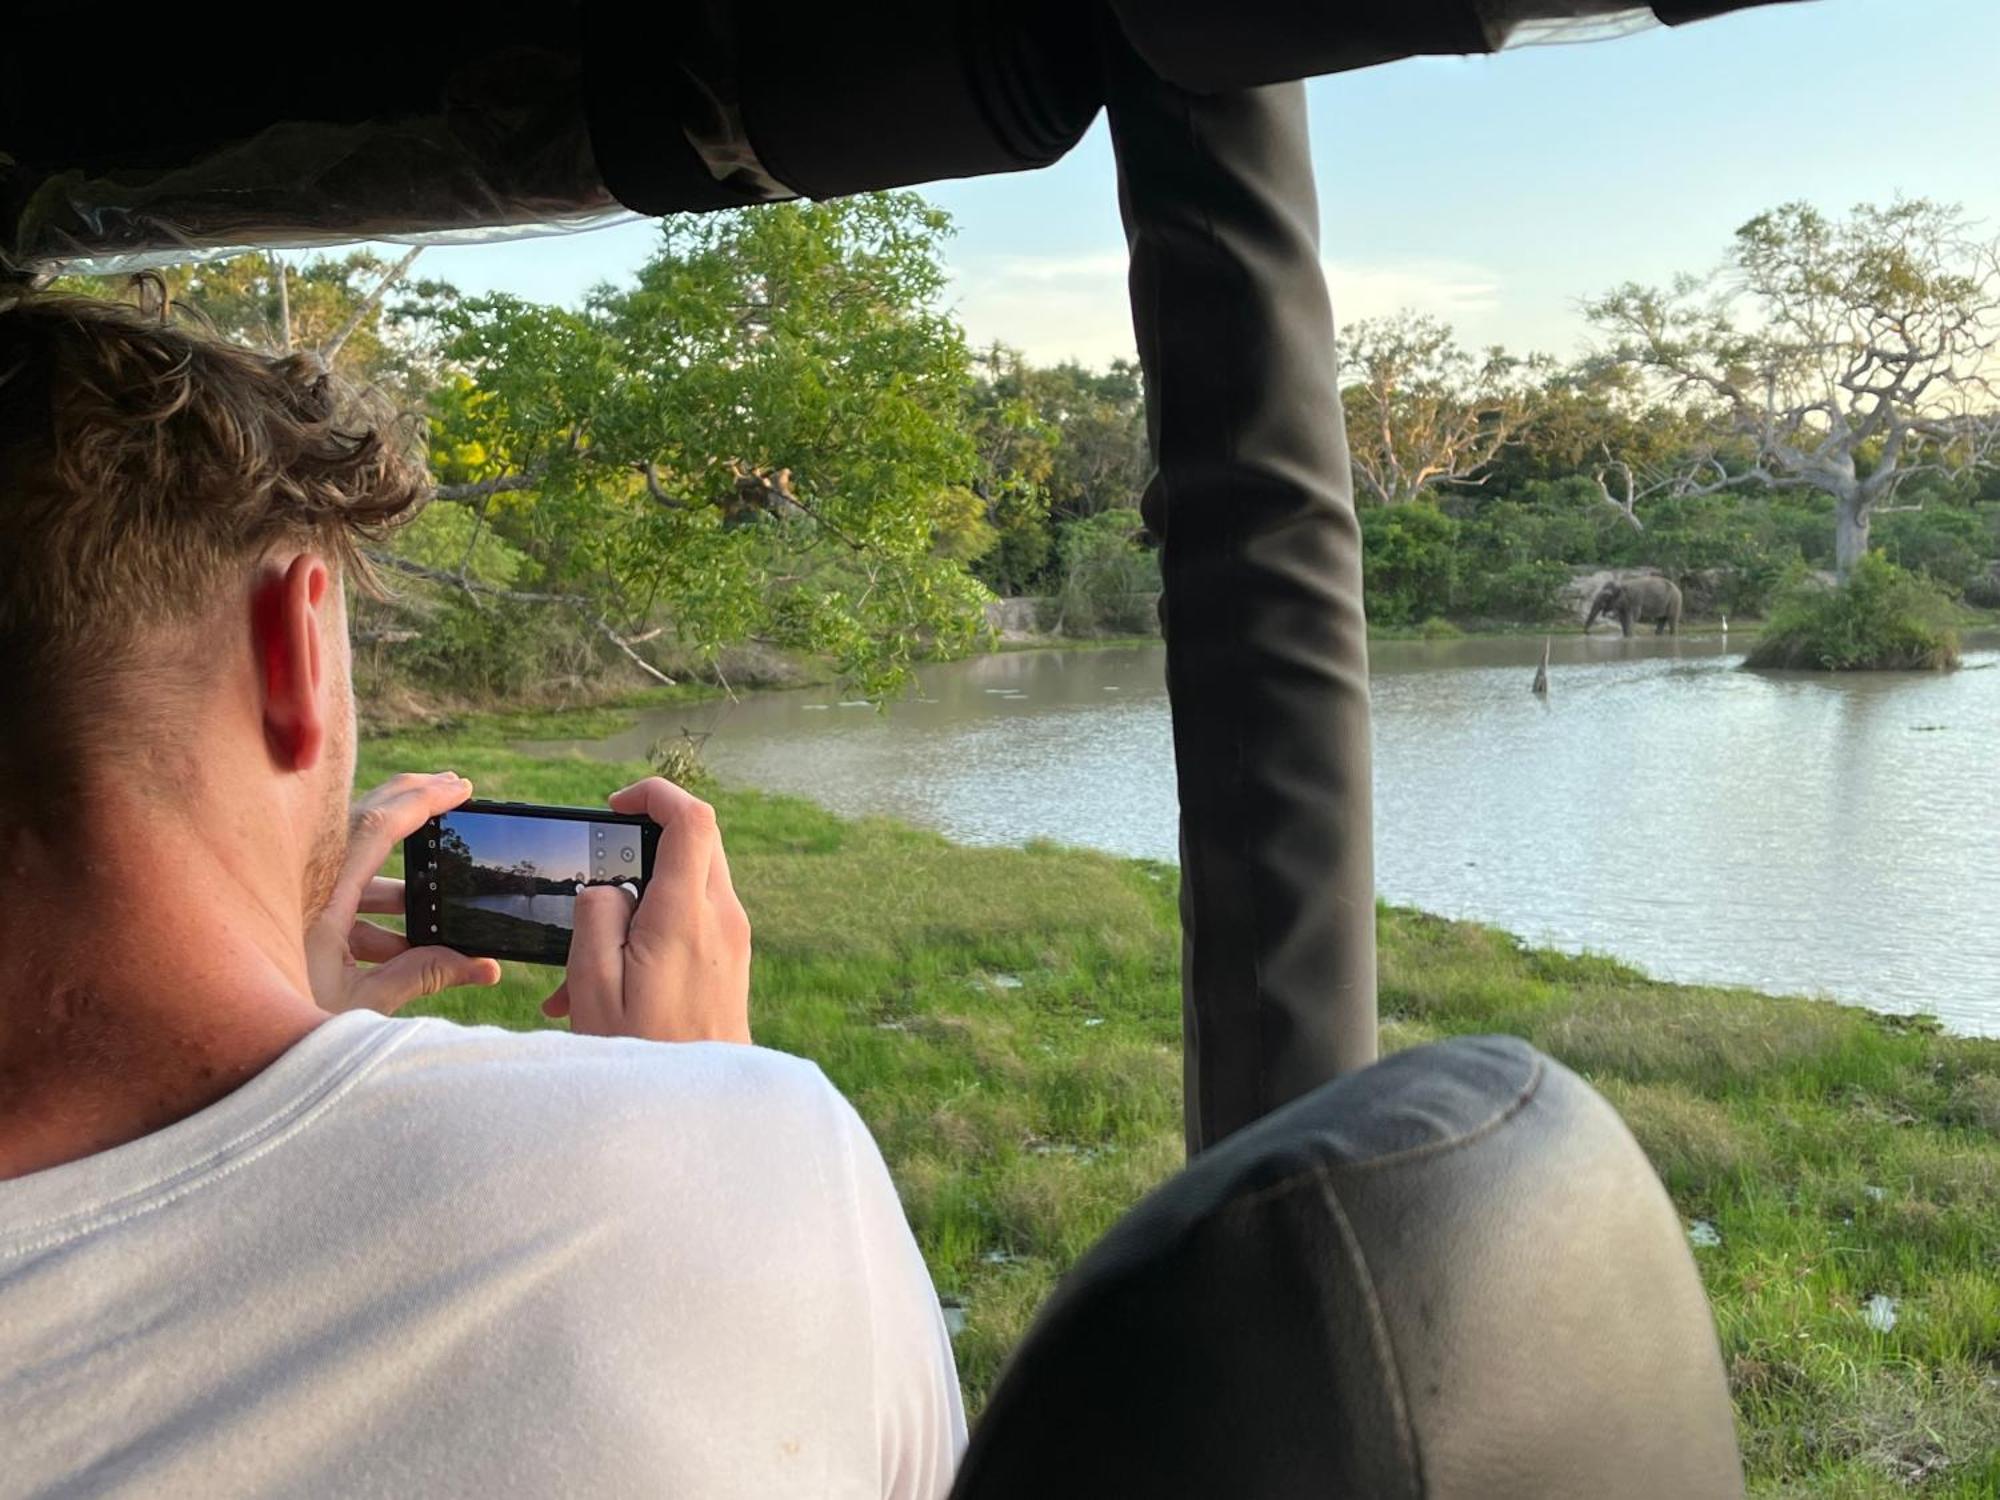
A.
pixel 1850 534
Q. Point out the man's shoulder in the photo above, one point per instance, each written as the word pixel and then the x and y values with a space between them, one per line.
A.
pixel 608 1128
pixel 541 1069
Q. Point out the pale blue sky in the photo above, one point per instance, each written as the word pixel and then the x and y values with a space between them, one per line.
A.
pixel 1492 191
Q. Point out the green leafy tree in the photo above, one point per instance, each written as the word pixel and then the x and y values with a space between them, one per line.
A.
pixel 1057 444
pixel 1017 447
pixel 1110 578
pixel 766 437
pixel 1409 562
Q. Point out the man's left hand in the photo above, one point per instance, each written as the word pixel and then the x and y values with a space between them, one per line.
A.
pixel 357 965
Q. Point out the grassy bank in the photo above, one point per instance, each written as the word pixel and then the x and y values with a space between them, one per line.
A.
pixel 1008 1023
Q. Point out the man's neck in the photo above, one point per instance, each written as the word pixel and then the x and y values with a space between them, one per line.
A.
pixel 86 1087
pixel 135 993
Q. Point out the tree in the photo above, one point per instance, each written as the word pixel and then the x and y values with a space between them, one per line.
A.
pixel 1109 581
pixel 335 307
pixel 1057 444
pixel 1595 421
pixel 1016 446
pixel 1423 412
pixel 1849 356
pixel 766 437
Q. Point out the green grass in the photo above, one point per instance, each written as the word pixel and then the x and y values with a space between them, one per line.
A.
pixel 1008 1022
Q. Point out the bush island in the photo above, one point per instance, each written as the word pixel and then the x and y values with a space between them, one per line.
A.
pixel 1881 618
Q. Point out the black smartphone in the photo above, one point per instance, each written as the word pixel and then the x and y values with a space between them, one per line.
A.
pixel 500 879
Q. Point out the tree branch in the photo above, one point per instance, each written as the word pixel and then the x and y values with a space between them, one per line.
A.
pixel 515 596
pixel 1624 508
pixel 413 569
pixel 479 489
pixel 284 301
pixel 604 629
pixel 331 348
pixel 659 491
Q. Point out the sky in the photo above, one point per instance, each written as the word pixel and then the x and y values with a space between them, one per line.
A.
pixel 1493 192
pixel 555 847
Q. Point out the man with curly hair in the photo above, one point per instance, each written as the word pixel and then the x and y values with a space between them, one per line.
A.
pixel 256 1235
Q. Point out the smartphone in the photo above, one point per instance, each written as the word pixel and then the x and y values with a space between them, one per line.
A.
pixel 500 879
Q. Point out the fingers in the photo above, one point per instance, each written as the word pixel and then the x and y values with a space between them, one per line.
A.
pixel 375 945
pixel 595 982
pixel 685 966
pixel 417 972
pixel 689 844
pixel 557 1005
pixel 383 818
pixel 383 896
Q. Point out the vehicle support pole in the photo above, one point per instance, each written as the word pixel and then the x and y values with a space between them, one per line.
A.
pixel 1267 652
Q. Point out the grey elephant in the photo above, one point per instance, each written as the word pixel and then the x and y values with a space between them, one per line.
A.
pixel 1639 599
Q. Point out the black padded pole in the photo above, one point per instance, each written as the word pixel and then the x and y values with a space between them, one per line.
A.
pixel 1267 657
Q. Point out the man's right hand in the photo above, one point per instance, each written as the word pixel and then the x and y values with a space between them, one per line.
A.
pixel 675 968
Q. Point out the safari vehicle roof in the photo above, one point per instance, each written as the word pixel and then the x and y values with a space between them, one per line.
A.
pixel 420 126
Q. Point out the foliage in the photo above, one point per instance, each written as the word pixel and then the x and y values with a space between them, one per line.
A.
pixel 1109 581
pixel 764 437
pixel 1056 445
pixel 1528 591
pixel 450 539
pixel 239 297
pixel 1946 544
pixel 1422 412
pixel 494 650
pixel 1838 1155
pixel 1409 562
pixel 1846 355
pixel 1881 617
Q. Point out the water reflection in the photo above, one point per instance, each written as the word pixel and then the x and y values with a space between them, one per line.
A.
pixel 1795 833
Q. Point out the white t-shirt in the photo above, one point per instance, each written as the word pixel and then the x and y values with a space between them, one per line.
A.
pixel 417 1259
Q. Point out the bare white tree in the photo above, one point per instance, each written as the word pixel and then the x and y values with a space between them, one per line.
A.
pixel 1849 356
pixel 1424 412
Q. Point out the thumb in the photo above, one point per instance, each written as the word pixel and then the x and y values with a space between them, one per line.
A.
pixel 391 985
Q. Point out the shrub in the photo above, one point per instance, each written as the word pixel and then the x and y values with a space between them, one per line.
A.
pixel 1109 581
pixel 1527 591
pixel 1880 618
pixel 1984 591
pixel 1749 591
pixel 495 648
pixel 1409 562
pixel 680 758
pixel 1947 545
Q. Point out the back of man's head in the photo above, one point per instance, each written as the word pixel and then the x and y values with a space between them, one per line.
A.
pixel 146 470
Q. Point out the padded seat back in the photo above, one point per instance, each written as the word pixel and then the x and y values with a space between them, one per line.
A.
pixel 1452 1275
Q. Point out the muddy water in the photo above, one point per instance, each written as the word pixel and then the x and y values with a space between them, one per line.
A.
pixel 1792 833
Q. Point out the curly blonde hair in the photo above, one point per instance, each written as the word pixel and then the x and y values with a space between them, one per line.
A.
pixel 144 469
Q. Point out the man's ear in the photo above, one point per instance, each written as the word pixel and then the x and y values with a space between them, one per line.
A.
pixel 292 660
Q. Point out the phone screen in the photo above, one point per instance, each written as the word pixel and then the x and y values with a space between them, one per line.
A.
pixel 504 884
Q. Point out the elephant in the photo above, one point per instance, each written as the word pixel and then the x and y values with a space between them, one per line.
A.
pixel 1639 599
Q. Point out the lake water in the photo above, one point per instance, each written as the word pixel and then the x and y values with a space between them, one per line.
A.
pixel 1794 833
pixel 557 911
